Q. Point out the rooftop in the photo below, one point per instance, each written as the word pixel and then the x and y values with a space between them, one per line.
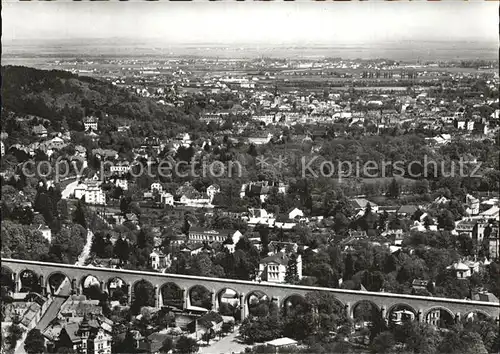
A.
pixel 281 342
pixel 279 258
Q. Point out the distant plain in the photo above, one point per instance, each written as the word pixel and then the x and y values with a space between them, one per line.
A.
pixel 37 53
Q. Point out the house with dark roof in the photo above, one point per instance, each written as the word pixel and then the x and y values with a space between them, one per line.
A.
pixel 84 337
pixel 79 306
pixel 360 204
pixel 211 321
pixel 153 343
pixel 406 210
pixel 484 296
pixel 69 337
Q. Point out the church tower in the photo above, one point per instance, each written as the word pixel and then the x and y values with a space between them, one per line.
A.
pixel 84 333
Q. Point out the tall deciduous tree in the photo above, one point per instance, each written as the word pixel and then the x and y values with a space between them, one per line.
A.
pixel 34 342
pixel 291 275
pixel 383 342
pixel 14 332
pixel 260 329
pixel 144 295
pixel 394 189
pixel 187 345
pixel 79 214
pixel 122 249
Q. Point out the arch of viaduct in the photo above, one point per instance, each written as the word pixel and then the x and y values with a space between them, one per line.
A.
pixel 384 302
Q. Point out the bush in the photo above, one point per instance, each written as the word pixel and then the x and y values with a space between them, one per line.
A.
pixel 383 342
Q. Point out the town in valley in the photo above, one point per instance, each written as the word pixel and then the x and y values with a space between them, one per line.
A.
pixel 239 199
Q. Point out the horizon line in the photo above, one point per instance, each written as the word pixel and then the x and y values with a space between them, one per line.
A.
pixel 40 40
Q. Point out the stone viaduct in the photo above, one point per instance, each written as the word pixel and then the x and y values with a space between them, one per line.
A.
pixel 383 302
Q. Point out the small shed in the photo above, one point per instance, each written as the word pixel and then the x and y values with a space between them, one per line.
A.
pixel 281 343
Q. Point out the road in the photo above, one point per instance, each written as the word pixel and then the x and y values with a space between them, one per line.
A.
pixel 86 249
pixel 226 345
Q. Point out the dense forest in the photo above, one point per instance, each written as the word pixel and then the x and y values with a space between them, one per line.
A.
pixel 65 98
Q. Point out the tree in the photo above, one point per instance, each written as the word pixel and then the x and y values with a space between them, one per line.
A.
pixel 245 263
pixel 488 329
pixel 167 345
pixel 125 205
pixel 209 334
pixel 349 267
pixel 264 237
pixel 144 239
pixel 382 221
pixel 144 295
pixel 394 189
pixel 186 345
pixel 128 345
pixel 291 275
pixel 462 342
pixel 446 220
pixel 323 312
pixel 260 329
pixel 62 210
pixel 43 204
pixel 368 208
pixel 201 296
pixel 19 241
pixel 396 224
pixel 466 245
pixel 227 327
pixel 420 337
pixel 121 249
pixel 68 244
pixel 341 223
pixel 15 332
pixel 298 322
pixel 383 342
pixel 378 324
pixel 202 265
pixel 474 343
pixel 79 214
pixel 34 342
pixel 422 186
pixel 326 276
pixel 252 151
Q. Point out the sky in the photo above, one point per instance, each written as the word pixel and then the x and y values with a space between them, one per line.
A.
pixel 252 22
